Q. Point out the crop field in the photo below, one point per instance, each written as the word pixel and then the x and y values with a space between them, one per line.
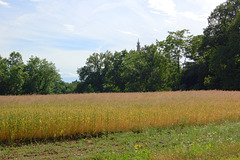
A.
pixel 161 125
pixel 29 118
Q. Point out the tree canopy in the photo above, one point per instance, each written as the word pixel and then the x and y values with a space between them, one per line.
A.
pixel 180 62
pixel 36 77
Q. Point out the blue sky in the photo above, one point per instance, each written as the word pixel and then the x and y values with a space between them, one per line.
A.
pixel 67 32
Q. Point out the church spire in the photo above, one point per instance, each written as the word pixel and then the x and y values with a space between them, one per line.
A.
pixel 138 46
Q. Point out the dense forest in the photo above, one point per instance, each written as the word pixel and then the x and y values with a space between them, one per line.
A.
pixel 180 62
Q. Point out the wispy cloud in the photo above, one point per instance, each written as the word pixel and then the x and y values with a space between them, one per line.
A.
pixel 67 32
pixel 166 6
pixel 69 27
pixel 4 3
pixel 36 0
pixel 192 16
pixel 128 33
pixel 208 5
pixel 106 6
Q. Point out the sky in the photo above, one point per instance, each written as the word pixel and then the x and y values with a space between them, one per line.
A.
pixel 67 32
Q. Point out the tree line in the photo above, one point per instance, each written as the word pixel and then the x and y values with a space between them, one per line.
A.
pixel 180 62
pixel 38 76
pixel 157 67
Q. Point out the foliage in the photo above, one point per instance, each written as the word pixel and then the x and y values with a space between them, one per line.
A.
pixel 182 61
pixel 217 65
pixel 153 68
pixel 62 87
pixel 4 76
pixel 12 74
pixel 42 76
pixel 95 72
pixel 36 77
pixel 225 61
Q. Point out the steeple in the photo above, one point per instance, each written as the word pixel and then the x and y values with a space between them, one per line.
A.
pixel 138 46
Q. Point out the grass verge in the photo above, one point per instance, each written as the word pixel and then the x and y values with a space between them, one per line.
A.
pixel 212 141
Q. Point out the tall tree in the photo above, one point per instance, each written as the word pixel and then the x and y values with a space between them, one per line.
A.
pixel 218 22
pixel 219 57
pixel 4 76
pixel 175 47
pixel 114 81
pixel 195 70
pixel 42 76
pixel 93 75
pixel 225 61
pixel 134 73
pixel 16 73
pixel 146 70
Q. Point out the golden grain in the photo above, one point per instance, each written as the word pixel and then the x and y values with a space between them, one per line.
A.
pixel 53 116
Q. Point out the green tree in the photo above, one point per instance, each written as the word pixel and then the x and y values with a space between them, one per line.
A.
pixel 94 74
pixel 16 73
pixel 62 87
pixel 218 22
pixel 220 46
pixel 134 72
pixel 193 53
pixel 4 76
pixel 12 74
pixel 225 62
pixel 196 69
pixel 146 70
pixel 42 76
pixel 114 81
pixel 176 47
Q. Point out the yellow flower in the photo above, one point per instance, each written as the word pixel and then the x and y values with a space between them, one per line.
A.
pixel 137 146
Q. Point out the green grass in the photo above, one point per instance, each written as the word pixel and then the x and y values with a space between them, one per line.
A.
pixel 213 141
